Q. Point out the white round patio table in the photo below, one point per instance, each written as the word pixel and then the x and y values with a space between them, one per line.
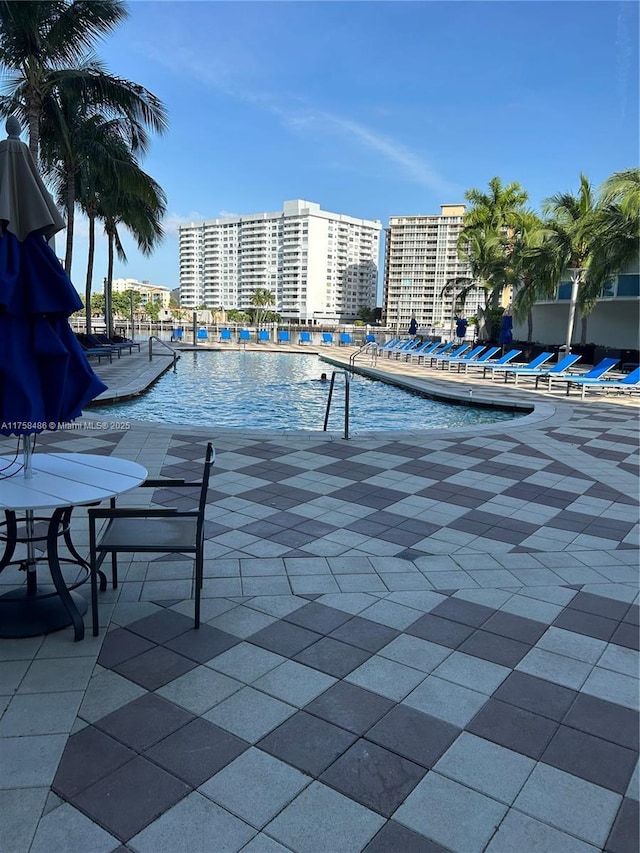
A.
pixel 58 482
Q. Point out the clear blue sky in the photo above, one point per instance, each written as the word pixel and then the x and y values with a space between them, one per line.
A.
pixel 373 109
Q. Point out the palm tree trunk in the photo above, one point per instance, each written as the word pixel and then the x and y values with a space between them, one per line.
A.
pixel 529 326
pixel 71 208
pixel 34 131
pixel 89 279
pixel 108 307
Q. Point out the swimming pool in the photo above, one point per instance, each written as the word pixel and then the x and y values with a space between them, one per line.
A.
pixel 254 390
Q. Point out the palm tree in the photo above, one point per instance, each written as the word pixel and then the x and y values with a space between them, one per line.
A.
pixel 532 268
pixel 261 300
pixel 572 227
pixel 618 225
pixel 489 226
pixel 72 130
pixel 39 44
pixel 115 190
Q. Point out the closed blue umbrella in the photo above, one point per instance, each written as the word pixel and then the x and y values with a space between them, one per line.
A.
pixel 45 379
pixel 413 326
pixel 506 329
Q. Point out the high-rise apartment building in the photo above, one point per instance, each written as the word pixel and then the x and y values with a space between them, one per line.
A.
pixel 421 257
pixel 321 267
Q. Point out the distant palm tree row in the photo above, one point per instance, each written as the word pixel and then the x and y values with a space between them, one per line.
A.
pixel 587 238
pixel 87 127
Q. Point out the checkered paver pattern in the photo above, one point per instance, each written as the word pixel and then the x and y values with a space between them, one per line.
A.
pixel 410 643
pixel 515 726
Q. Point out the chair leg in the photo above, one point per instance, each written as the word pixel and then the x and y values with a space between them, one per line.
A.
pixel 198 588
pixel 93 578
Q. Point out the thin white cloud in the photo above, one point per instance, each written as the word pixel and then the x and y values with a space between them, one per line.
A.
pixel 172 222
pixel 222 75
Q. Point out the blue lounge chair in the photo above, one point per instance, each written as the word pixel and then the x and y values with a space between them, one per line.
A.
pixel 469 356
pixel 423 350
pixel 401 346
pixel 558 369
pixel 283 336
pixel 203 335
pixel 596 372
pixel 225 336
pixel 245 336
pixel 627 383
pixel 370 339
pixel 534 367
pixel 489 365
pixel 263 336
pixel 413 344
pixel 327 338
pixel 392 342
pixel 486 356
pixel 345 339
pixel 305 338
pixel 456 353
pixel 176 335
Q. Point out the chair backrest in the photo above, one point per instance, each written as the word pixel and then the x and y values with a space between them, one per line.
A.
pixel 509 356
pixel 488 354
pixel 345 338
pixel 305 337
pixel 203 334
pixel 631 378
pixel 327 338
pixel 225 334
pixel 283 335
pixel 177 334
pixel 456 352
pixel 538 360
pixel 369 339
pixel 263 335
pixel 564 364
pixel 446 349
pixel 245 335
pixel 601 368
pixel 209 459
pixel 474 352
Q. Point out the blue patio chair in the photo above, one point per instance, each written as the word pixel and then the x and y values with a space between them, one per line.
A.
pixel 411 345
pixel 263 336
pixel 203 335
pixel 388 344
pixel 536 365
pixel 305 338
pixel 245 336
pixel 401 345
pixel 465 357
pixel 558 369
pixel 327 338
pixel 370 339
pixel 225 336
pixel 345 339
pixel 486 356
pixel 283 336
pixel 176 335
pixel 627 383
pixel 490 364
pixel 456 353
pixel 596 372
pixel 427 349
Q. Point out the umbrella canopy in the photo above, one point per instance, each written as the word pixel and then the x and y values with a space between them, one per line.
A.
pixel 45 378
pixel 506 328
pixel 461 327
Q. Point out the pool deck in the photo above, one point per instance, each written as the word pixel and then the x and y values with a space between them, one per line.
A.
pixel 413 642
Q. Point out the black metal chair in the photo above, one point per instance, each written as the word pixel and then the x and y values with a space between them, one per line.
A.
pixel 141 530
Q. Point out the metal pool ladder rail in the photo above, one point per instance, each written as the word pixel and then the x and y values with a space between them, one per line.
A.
pixel 171 349
pixel 346 401
pixel 368 348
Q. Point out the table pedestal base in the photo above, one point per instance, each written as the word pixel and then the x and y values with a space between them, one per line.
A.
pixel 28 616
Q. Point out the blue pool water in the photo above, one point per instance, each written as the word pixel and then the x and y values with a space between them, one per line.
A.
pixel 254 390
